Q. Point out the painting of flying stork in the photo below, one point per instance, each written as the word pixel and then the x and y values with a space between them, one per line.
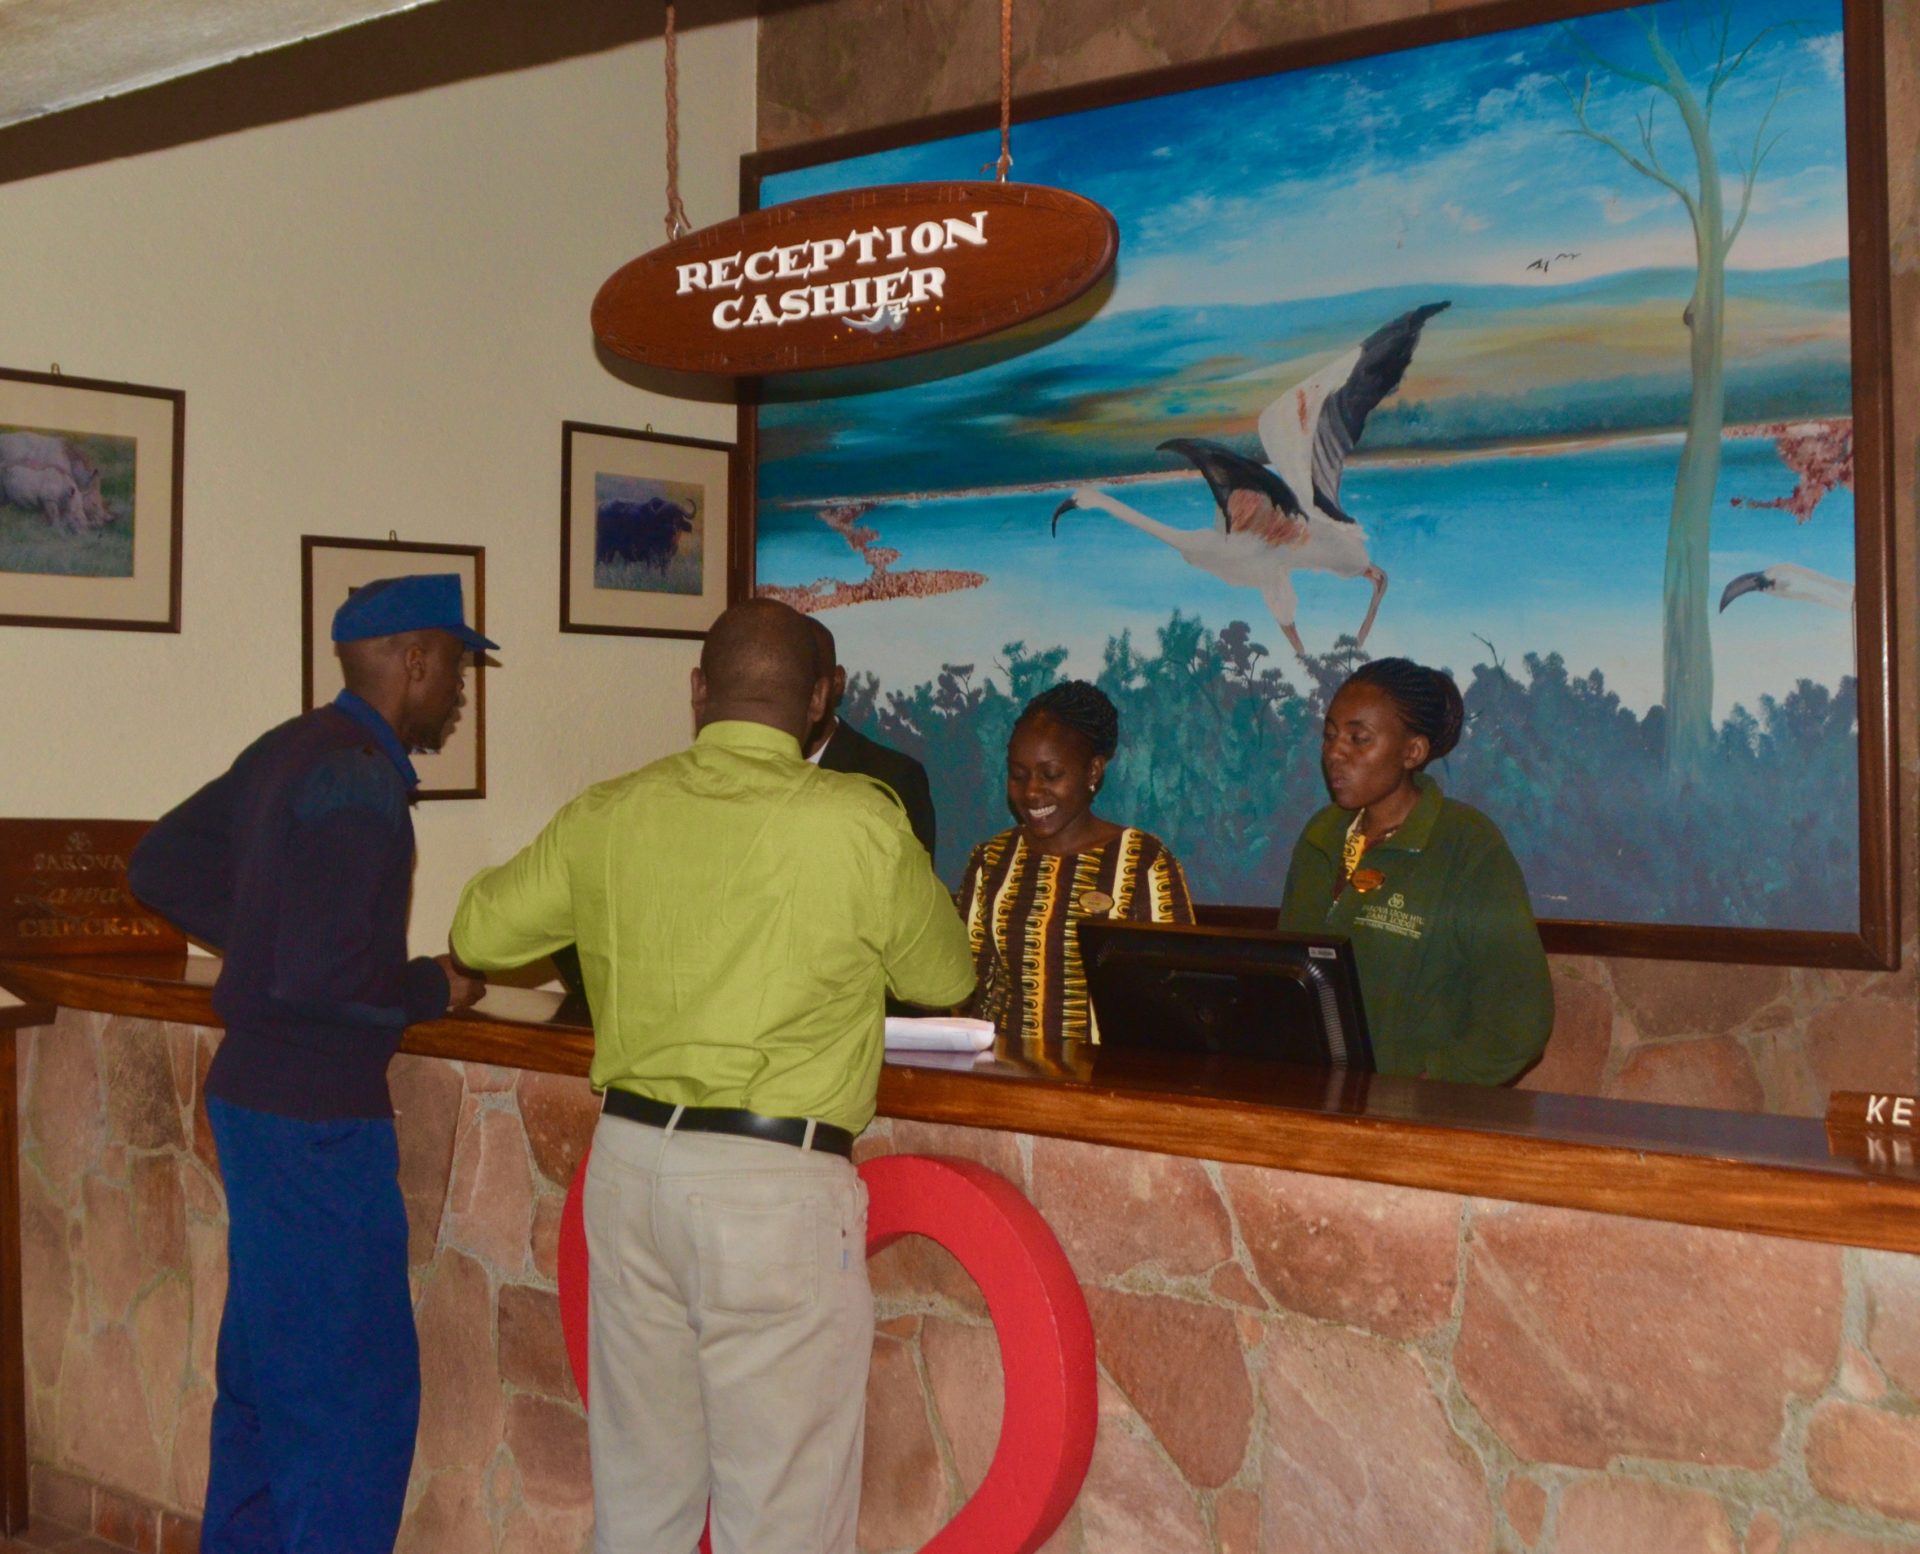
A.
pixel 1788 581
pixel 1519 353
pixel 1273 519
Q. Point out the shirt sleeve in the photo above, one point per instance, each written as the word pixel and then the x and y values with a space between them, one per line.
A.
pixel 520 910
pixel 183 867
pixel 970 898
pixel 1297 913
pixel 1509 988
pixel 347 837
pixel 928 958
pixel 1167 889
pixel 973 916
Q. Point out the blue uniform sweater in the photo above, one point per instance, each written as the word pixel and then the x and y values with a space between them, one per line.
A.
pixel 296 865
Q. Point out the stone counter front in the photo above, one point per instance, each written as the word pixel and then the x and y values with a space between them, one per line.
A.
pixel 1288 1362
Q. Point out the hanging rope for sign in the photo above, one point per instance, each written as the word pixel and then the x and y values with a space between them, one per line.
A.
pixel 677 224
pixel 1006 89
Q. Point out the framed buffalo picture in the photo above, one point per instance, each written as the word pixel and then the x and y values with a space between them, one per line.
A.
pixel 645 525
pixel 90 478
pixel 330 569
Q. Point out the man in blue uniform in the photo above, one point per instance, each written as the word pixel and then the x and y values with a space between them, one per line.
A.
pixel 296 864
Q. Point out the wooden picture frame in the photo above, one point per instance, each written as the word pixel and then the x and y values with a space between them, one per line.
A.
pixel 639 555
pixel 1862 932
pixel 91 477
pixel 329 566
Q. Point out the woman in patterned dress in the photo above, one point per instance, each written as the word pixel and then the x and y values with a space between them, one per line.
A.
pixel 1027 887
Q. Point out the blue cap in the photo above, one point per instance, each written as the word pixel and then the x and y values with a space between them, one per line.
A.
pixel 385 608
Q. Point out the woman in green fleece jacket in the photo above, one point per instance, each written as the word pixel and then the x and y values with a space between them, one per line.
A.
pixel 1451 971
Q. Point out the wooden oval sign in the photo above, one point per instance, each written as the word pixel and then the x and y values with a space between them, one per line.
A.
pixel 860 276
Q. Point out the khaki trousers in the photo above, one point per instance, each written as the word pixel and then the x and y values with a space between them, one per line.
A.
pixel 730 1329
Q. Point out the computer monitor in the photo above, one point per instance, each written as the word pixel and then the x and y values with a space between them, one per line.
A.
pixel 1226 992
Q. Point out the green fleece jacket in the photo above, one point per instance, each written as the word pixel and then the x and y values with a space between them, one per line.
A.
pixel 1451 970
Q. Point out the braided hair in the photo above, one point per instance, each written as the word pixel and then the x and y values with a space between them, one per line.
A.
pixel 1082 707
pixel 1427 700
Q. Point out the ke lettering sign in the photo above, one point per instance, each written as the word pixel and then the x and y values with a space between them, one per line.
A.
pixel 1869 1111
pixel 855 277
pixel 63 891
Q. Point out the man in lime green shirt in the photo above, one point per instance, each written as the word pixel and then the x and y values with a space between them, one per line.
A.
pixel 740 916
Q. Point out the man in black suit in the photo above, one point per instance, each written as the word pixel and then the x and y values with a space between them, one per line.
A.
pixel 838 748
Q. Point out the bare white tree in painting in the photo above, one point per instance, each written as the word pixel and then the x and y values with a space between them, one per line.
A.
pixel 1693 90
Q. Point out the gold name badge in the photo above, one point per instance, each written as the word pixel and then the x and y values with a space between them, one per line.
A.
pixel 1365 880
pixel 1095 901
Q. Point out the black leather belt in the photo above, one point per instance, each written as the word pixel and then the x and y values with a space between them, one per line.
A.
pixel 724 1119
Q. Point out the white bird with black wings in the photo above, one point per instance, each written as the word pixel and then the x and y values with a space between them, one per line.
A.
pixel 1263 532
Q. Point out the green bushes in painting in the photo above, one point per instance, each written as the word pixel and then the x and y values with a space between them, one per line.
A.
pixel 1220 753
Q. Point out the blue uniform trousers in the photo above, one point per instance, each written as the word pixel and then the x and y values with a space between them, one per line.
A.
pixel 318 1366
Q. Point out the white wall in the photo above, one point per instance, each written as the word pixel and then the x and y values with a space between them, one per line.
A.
pixel 379 317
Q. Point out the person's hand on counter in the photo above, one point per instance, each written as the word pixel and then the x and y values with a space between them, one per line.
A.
pixel 465 987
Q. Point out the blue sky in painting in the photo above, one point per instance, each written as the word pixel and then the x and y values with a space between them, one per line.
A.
pixel 1446 164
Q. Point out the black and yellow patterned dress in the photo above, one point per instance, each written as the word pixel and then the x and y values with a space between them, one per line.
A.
pixel 1020 907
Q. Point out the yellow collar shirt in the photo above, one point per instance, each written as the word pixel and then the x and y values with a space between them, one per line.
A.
pixel 740 914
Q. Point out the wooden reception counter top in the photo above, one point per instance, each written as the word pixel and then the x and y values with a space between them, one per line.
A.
pixel 1730 1170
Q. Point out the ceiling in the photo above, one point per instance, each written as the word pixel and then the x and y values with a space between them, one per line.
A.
pixel 62 53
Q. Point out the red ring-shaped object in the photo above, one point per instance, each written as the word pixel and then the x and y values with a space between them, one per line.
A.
pixel 1039 1316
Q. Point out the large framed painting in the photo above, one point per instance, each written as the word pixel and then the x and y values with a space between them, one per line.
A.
pixel 1446 340
pixel 90 481
pixel 330 569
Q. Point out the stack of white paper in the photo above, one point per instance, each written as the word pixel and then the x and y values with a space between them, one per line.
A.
pixel 938 1033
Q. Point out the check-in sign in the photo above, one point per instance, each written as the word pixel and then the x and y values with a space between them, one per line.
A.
pixel 861 276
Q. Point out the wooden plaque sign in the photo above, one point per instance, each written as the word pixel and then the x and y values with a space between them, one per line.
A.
pixel 63 891
pixel 855 277
pixel 1863 1111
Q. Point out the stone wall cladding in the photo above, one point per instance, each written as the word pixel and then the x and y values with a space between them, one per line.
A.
pixel 1291 1362
pixel 1287 1362
pixel 124 1234
pixel 1736 1037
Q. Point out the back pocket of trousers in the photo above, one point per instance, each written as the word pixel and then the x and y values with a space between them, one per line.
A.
pixel 756 1259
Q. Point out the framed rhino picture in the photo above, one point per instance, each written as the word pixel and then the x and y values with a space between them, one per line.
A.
pixel 330 569
pixel 90 481
pixel 646 522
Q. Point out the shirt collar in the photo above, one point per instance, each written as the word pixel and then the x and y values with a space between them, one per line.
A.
pixel 814 759
pixel 1328 829
pixel 1417 829
pixel 383 734
pixel 739 734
